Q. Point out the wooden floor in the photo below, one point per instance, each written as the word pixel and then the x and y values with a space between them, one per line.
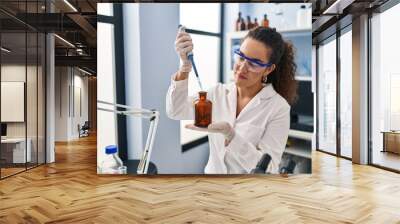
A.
pixel 5 172
pixel 387 159
pixel 10 171
pixel 69 191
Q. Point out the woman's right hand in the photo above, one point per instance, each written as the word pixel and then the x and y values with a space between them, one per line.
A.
pixel 183 45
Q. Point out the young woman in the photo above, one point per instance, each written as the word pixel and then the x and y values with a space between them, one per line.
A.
pixel 251 116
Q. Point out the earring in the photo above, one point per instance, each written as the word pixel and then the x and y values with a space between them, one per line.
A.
pixel 265 79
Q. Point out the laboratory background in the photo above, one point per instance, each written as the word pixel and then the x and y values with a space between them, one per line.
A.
pixel 136 59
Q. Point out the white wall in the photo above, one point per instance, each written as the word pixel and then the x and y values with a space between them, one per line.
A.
pixel 106 121
pixel 15 73
pixel 67 80
pixel 80 83
pixel 133 78
pixel 61 103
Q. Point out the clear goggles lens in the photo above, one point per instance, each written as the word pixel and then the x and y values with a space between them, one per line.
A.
pixel 251 65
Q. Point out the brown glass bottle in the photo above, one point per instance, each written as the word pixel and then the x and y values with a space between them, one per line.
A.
pixel 265 22
pixel 255 24
pixel 249 24
pixel 242 25
pixel 203 111
pixel 237 25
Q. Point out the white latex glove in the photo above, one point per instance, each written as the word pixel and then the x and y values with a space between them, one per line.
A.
pixel 222 127
pixel 184 45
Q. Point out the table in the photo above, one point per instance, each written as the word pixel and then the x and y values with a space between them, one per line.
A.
pixel 18 151
pixel 391 141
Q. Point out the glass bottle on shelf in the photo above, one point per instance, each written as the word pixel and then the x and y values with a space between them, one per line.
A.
pixel 242 24
pixel 203 110
pixel 265 22
pixel 238 21
pixel 302 17
pixel 249 25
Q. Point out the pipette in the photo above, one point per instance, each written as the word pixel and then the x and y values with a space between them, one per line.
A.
pixel 190 57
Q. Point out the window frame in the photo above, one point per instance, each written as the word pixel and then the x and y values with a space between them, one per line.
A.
pixel 334 36
pixel 28 29
pixel 334 29
pixel 117 21
pixel 343 31
pixel 379 10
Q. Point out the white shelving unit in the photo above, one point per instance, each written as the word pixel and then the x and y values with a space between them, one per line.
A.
pixel 241 34
pixel 303 78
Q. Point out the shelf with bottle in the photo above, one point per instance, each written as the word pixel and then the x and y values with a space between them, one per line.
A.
pixel 242 25
pixel 296 31
pixel 282 18
pixel 297 77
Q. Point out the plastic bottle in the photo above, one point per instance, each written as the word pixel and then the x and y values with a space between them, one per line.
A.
pixel 203 111
pixel 302 17
pixel 112 164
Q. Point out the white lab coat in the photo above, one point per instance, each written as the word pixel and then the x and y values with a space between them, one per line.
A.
pixel 261 127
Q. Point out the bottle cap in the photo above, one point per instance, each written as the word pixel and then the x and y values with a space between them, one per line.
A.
pixel 111 149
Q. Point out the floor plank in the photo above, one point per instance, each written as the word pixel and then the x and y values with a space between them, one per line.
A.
pixel 70 191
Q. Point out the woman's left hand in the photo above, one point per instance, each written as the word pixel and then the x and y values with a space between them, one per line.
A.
pixel 222 127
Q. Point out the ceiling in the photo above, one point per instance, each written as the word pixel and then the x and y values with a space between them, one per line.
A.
pixel 330 15
pixel 75 21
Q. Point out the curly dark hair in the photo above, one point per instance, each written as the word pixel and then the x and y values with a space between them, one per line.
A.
pixel 282 78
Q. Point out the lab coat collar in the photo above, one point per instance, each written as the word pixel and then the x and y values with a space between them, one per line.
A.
pixel 265 93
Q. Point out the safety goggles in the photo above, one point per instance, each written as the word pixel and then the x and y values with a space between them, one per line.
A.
pixel 254 65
